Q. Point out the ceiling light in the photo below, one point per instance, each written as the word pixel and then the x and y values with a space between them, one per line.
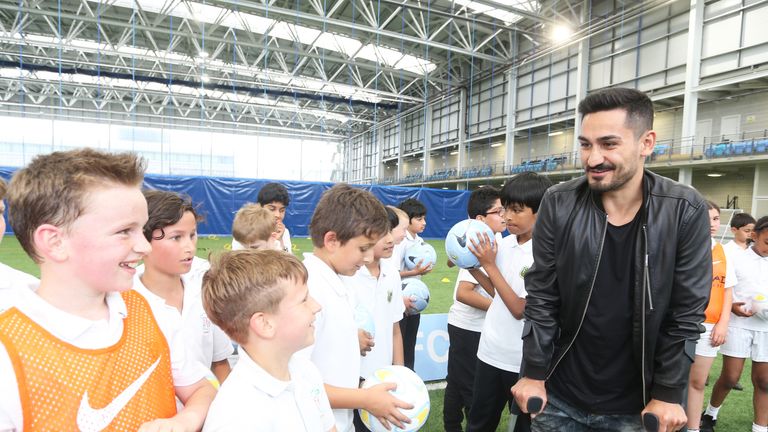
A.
pixel 203 54
pixel 556 133
pixel 453 153
pixel 561 33
pixel 496 144
pixel 206 78
pixel 421 159
pixel 715 174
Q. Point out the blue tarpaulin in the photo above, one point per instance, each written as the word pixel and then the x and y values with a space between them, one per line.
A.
pixel 220 197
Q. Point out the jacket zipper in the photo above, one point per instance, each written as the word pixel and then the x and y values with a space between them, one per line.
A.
pixel 646 288
pixel 589 296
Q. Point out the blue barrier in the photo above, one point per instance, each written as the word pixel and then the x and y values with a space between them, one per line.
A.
pixel 431 359
pixel 219 198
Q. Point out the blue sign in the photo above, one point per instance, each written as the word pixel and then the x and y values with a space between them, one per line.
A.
pixel 431 362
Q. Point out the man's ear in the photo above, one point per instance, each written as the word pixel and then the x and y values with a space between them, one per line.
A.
pixel 648 142
pixel 50 242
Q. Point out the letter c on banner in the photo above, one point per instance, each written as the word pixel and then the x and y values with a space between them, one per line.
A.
pixel 433 335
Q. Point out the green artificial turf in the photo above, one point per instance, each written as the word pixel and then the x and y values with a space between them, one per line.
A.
pixel 736 414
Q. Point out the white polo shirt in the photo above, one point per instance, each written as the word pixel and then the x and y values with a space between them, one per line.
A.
pixel 408 241
pixel 382 298
pixel 86 334
pixel 11 280
pixel 253 400
pixel 501 343
pixel 205 341
pixel 751 278
pixel 732 250
pixel 336 351
pixel 463 315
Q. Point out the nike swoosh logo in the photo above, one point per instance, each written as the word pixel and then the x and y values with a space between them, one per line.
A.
pixel 95 420
pixel 462 240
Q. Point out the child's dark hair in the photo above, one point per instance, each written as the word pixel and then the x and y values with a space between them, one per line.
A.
pixel 349 212
pixel 481 200
pixel 526 188
pixel 394 220
pixel 166 208
pixel 413 207
pixel 713 206
pixel 273 192
pixel 741 219
pixel 761 225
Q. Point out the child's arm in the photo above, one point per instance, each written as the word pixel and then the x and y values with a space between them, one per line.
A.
pixel 466 294
pixel 721 328
pixel 398 358
pixel 196 399
pixel 221 369
pixel 377 400
pixel 485 251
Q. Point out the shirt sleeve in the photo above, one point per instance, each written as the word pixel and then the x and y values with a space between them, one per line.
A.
pixel 11 418
pixel 323 404
pixel 465 276
pixel 186 371
pixel 222 345
pixel 730 268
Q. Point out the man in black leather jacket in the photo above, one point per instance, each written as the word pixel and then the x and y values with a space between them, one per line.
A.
pixel 621 277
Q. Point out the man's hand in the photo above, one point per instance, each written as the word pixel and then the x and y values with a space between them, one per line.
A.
pixel 526 388
pixel 671 416
pixel 484 249
pixel 365 340
pixel 385 407
pixel 738 309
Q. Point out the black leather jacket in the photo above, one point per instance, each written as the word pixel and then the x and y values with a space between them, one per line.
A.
pixel 672 285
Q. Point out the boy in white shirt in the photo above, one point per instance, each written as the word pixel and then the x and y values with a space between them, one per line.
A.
pixel 747 334
pixel 409 325
pixel 171 279
pixel 466 317
pixel 500 349
pixel 260 299
pixel 275 198
pixel 84 338
pixel 742 225
pixel 254 227
pixel 345 227
pixel 9 276
pixel 376 287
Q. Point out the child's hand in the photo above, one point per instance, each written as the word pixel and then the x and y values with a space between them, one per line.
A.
pixel 421 269
pixel 738 309
pixel 279 229
pixel 484 250
pixel 717 337
pixel 408 302
pixel 384 406
pixel 365 340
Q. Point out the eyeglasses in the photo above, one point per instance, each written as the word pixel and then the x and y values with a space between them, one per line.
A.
pixel 499 212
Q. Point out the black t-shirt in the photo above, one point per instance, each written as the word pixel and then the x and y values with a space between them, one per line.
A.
pixel 599 374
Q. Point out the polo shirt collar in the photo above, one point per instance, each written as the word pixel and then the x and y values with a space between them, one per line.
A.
pixel 261 379
pixel 326 272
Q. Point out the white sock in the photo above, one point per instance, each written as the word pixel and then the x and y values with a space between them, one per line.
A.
pixel 758 428
pixel 712 411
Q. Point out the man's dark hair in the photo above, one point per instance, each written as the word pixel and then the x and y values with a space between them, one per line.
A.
pixel 740 219
pixel 637 104
pixel 413 207
pixel 526 189
pixel 273 192
pixel 481 200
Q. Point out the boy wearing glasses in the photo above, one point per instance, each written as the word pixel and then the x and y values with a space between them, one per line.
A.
pixel 466 316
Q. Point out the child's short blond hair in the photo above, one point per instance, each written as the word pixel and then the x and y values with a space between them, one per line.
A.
pixel 252 223
pixel 3 188
pixel 53 187
pixel 349 212
pixel 400 213
pixel 242 283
